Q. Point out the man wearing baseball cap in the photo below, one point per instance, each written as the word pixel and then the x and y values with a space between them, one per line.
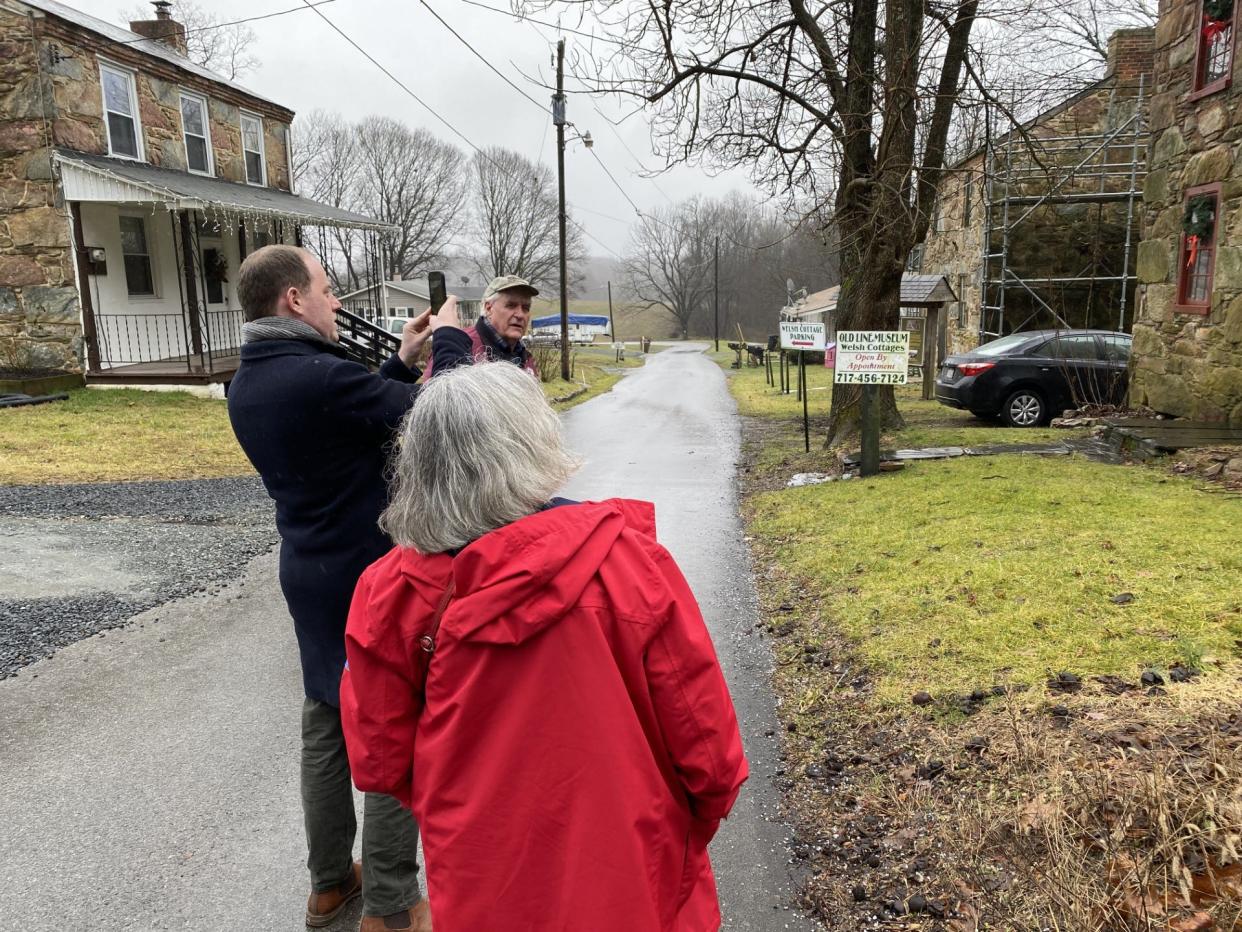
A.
pixel 506 315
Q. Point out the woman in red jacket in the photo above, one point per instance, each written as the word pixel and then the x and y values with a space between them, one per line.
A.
pixel 573 747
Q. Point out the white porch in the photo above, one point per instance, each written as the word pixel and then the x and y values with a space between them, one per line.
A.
pixel 157 259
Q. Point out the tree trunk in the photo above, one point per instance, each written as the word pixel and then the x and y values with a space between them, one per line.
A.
pixel 869 300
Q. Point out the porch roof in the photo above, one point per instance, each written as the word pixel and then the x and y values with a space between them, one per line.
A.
pixel 100 179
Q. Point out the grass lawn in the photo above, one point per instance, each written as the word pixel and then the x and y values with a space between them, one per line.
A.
pixel 961 574
pixel 123 435
pixel 1027 807
pixel 115 435
pixel 596 370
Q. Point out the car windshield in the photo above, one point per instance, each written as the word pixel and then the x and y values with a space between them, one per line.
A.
pixel 1002 346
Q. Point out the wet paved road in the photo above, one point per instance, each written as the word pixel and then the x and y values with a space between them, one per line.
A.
pixel 668 434
pixel 148 779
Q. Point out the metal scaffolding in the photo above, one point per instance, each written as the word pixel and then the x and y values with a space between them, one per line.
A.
pixel 1025 171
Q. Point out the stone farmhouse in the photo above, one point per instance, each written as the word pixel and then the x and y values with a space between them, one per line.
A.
pixel 1188 334
pixel 1039 227
pixel 132 184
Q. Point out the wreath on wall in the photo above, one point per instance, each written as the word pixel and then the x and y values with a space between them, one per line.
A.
pixel 1198 223
pixel 1217 16
pixel 219 267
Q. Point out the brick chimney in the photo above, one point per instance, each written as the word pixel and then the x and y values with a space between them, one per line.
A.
pixel 1131 52
pixel 163 28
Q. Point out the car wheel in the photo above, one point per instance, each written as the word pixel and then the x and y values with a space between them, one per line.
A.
pixel 1023 408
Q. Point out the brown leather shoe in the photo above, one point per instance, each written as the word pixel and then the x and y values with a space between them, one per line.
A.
pixel 416 919
pixel 323 908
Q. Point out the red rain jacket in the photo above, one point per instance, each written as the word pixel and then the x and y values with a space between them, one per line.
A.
pixel 578 746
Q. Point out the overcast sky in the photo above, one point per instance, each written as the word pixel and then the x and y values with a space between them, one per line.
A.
pixel 305 65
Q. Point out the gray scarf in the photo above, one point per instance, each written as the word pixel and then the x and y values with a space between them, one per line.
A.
pixel 283 328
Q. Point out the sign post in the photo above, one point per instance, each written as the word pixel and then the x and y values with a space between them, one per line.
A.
pixel 803 337
pixel 806 421
pixel 871 358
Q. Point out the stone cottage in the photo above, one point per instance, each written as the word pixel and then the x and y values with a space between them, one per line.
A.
pixel 1039 228
pixel 1188 335
pixel 132 184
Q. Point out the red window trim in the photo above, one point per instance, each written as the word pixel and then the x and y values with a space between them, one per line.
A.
pixel 1220 83
pixel 1190 307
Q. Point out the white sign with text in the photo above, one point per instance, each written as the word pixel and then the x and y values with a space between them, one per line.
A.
pixel 799 335
pixel 872 357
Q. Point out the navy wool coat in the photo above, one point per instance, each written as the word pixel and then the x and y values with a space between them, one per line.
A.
pixel 318 427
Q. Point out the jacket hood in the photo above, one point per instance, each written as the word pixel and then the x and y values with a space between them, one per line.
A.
pixel 516 581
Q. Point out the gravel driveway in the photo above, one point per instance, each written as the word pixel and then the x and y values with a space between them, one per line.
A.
pixel 77 560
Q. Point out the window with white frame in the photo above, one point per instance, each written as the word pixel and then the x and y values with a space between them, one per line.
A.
pixel 120 100
pixel 139 279
pixel 252 148
pixel 197 134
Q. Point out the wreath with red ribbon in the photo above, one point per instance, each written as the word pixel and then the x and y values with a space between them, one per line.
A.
pixel 1198 223
pixel 1217 17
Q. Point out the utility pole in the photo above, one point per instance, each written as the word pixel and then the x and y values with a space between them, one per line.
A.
pixel 558 117
pixel 611 327
pixel 716 290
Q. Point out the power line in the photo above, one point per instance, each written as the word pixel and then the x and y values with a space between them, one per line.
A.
pixel 637 210
pixel 611 177
pixel 426 106
pixel 542 108
pixel 557 26
pixel 477 54
pixel 234 22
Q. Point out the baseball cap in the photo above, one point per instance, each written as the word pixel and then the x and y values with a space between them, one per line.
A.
pixel 506 283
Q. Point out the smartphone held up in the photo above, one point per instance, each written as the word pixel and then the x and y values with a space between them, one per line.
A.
pixel 436 291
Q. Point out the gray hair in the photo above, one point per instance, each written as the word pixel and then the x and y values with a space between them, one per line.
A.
pixel 479 449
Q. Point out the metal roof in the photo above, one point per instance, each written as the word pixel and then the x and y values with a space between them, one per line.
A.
pixel 916 291
pixel 97 178
pixel 140 43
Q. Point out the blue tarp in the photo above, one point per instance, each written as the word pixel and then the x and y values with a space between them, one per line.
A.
pixel 582 320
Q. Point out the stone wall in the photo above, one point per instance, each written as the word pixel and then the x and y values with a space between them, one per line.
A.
pixel 39 314
pixel 1188 362
pixel 78 102
pixel 954 247
pixel 1056 241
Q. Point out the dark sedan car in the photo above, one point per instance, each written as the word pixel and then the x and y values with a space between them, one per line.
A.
pixel 1028 378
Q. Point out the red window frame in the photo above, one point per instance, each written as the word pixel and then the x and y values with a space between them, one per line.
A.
pixel 1184 304
pixel 1199 89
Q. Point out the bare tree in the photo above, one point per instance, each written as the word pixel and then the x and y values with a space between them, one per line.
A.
pixel 514 219
pixel 669 264
pixel 380 168
pixel 326 168
pixel 672 263
pixel 847 103
pixel 411 179
pixel 225 49
pixel 1071 39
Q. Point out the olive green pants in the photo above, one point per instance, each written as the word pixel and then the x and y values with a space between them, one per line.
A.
pixel 389 835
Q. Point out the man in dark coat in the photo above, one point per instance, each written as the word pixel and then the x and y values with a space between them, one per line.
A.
pixel 317 427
